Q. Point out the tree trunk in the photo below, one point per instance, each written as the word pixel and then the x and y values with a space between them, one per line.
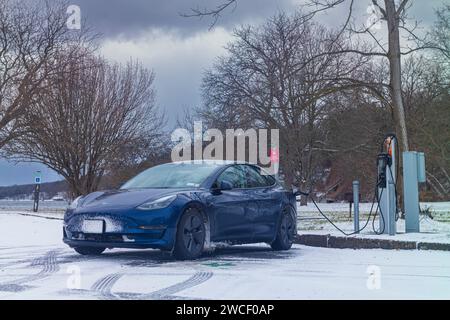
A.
pixel 74 191
pixel 394 56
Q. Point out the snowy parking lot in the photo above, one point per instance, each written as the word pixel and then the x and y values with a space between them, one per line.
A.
pixel 35 264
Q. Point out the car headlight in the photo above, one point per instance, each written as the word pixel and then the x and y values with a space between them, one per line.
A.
pixel 75 203
pixel 157 204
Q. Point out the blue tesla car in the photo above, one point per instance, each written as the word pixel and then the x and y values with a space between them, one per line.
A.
pixel 185 207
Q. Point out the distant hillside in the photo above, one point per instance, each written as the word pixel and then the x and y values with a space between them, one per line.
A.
pixel 48 190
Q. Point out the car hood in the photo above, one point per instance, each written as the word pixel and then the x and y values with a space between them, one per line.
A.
pixel 118 199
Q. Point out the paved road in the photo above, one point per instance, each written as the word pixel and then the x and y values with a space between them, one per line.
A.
pixel 34 264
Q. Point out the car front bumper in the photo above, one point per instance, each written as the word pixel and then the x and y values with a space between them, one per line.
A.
pixel 120 231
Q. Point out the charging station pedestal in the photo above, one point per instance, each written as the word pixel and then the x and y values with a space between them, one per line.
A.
pixel 387 192
pixel 413 174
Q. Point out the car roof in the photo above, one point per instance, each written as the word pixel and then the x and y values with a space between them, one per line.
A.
pixel 212 162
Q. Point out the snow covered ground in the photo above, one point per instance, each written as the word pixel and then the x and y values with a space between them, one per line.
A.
pixel 436 207
pixel 435 229
pixel 35 264
pixel 47 205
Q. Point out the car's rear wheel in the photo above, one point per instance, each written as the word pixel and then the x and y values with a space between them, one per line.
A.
pixel 89 251
pixel 285 234
pixel 191 233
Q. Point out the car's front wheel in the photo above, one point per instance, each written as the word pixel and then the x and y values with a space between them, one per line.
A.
pixel 89 251
pixel 191 233
pixel 285 234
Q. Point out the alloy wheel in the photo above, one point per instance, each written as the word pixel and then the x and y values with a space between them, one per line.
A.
pixel 193 234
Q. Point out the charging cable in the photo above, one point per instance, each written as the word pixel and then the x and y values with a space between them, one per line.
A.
pixel 376 199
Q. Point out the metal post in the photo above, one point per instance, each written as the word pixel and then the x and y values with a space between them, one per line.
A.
pixel 388 201
pixel 350 204
pixel 36 198
pixel 356 205
pixel 392 209
pixel 411 191
pixel 37 190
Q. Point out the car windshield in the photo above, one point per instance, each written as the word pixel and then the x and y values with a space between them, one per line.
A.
pixel 172 175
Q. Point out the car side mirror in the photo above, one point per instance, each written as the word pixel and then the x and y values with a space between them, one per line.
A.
pixel 226 185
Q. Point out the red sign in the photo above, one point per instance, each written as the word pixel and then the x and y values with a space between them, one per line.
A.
pixel 274 155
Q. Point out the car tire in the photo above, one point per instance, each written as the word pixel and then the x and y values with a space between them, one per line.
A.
pixel 89 251
pixel 285 233
pixel 190 237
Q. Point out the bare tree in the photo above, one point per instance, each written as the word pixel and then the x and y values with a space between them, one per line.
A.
pixel 354 128
pixel 402 37
pixel 32 35
pixel 395 15
pixel 442 30
pixel 268 79
pixel 92 116
pixel 427 93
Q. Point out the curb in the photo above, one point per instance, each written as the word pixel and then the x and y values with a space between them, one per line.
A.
pixel 329 241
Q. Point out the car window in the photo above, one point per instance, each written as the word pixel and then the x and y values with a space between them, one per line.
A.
pixel 270 180
pixel 173 175
pixel 254 178
pixel 235 175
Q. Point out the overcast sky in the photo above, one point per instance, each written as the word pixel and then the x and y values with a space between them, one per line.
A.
pixel 178 49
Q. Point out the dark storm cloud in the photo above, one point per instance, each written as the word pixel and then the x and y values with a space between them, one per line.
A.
pixel 121 17
pixel 132 17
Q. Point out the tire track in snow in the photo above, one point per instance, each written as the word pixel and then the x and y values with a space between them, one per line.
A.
pixel 13 263
pixel 20 257
pixel 105 284
pixel 166 293
pixel 49 265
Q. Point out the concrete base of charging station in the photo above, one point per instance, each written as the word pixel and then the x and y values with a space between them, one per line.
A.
pixel 353 242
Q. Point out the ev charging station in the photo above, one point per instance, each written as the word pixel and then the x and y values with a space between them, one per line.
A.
pixel 386 190
pixel 386 186
pixel 413 174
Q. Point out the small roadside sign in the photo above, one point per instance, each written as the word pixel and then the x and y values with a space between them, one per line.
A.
pixel 38 177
